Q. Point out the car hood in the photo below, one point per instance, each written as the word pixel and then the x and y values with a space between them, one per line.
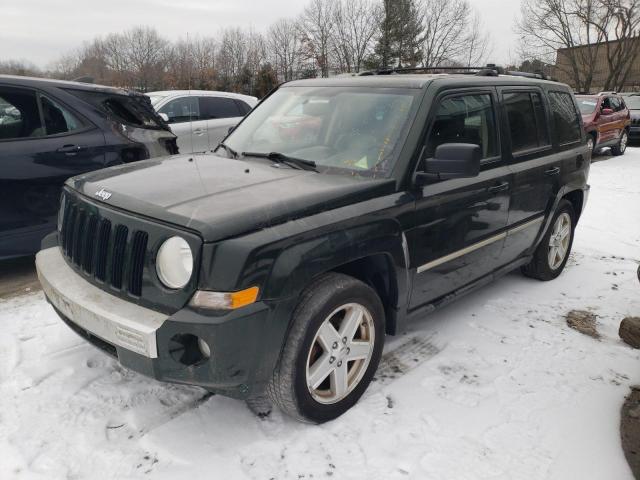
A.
pixel 220 197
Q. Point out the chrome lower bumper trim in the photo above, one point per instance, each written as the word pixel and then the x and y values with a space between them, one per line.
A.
pixel 116 321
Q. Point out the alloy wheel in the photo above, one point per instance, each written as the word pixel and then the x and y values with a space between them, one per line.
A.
pixel 560 241
pixel 624 140
pixel 340 353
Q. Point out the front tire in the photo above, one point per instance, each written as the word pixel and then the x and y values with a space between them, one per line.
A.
pixel 621 147
pixel 332 349
pixel 552 254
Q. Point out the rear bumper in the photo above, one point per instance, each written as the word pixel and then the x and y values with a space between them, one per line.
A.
pixel 244 343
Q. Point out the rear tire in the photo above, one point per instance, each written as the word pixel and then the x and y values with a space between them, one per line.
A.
pixel 324 368
pixel 554 250
pixel 591 144
pixel 621 147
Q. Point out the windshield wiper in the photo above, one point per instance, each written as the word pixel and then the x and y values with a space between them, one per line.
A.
pixel 276 157
pixel 227 148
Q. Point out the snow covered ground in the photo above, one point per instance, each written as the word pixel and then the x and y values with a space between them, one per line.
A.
pixel 493 387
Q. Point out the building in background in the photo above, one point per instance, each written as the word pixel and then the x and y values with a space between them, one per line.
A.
pixel 591 61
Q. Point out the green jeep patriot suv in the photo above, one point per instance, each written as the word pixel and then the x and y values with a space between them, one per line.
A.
pixel 272 268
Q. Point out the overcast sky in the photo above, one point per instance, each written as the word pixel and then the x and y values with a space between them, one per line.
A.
pixel 42 30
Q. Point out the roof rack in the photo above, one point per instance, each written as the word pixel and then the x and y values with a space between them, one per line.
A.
pixel 459 70
pixel 490 70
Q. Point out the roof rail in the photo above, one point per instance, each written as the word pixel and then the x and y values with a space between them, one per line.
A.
pixel 490 70
pixel 459 70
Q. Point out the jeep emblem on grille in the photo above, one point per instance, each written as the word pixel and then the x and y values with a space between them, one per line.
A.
pixel 103 194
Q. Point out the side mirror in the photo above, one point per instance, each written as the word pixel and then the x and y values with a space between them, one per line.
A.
pixel 164 117
pixel 607 111
pixel 451 160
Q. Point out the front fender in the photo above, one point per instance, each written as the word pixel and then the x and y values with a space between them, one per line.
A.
pixel 282 260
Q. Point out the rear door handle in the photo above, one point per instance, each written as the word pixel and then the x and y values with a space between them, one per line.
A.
pixel 552 172
pixel 503 187
pixel 199 132
pixel 71 149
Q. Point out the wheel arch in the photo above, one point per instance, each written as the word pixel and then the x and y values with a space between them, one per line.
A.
pixel 576 198
pixel 378 272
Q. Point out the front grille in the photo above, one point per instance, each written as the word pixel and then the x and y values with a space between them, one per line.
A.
pixel 101 250
pixel 115 251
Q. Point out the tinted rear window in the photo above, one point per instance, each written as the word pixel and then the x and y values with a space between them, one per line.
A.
pixel 218 107
pixel 565 116
pixel 134 110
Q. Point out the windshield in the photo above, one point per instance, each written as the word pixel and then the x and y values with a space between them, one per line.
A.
pixel 633 102
pixel 352 128
pixel 587 105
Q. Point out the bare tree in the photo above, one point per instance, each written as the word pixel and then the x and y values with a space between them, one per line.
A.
pixel 146 53
pixel 317 28
pixel 19 67
pixel 453 34
pixel 478 44
pixel 355 27
pixel 285 48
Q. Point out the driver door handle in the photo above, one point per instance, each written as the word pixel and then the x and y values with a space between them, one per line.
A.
pixel 71 149
pixel 552 172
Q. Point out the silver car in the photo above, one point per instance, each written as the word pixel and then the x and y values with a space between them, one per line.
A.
pixel 201 118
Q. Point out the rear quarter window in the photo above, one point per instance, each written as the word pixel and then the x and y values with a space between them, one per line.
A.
pixel 134 110
pixel 219 107
pixel 566 118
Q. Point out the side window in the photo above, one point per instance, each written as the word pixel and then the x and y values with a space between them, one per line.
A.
pixel 219 107
pixel 620 106
pixel 58 119
pixel 615 104
pixel 608 103
pixel 527 121
pixel 465 119
pixel 19 115
pixel 180 110
pixel 243 107
pixel 565 118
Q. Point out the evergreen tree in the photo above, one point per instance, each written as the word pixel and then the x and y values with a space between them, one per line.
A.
pixel 401 34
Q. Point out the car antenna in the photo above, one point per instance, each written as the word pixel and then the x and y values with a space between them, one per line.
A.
pixel 189 92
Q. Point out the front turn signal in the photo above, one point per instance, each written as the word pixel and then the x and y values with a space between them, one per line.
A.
pixel 224 301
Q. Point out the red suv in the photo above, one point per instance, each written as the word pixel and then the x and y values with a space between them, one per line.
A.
pixel 606 120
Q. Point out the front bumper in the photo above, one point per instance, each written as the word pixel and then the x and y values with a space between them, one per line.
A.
pixel 244 343
pixel 112 319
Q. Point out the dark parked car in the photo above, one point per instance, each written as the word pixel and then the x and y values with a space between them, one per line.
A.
pixel 633 104
pixel 277 266
pixel 53 130
pixel 606 120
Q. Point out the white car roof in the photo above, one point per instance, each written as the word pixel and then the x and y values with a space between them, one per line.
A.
pixel 204 93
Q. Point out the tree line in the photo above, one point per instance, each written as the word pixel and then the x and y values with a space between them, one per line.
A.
pixel 328 37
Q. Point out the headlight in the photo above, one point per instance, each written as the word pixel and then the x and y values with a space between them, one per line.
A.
pixel 175 263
